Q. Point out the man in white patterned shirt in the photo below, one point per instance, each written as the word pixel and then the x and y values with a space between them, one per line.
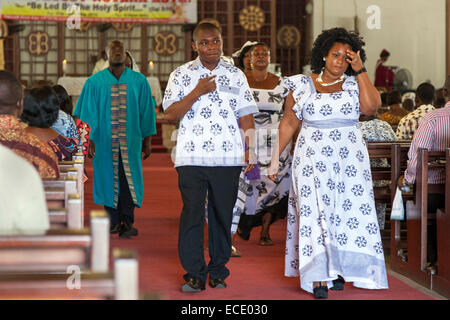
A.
pixel 210 96
pixel 409 123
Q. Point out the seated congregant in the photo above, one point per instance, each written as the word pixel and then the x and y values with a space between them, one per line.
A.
pixel 22 198
pixel 40 111
pixel 13 134
pixel 432 134
pixel 423 100
pixel 64 124
pixel 395 109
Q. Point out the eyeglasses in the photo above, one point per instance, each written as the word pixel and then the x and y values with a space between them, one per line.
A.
pixel 261 53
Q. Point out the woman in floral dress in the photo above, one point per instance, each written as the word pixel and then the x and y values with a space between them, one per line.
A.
pixel 332 230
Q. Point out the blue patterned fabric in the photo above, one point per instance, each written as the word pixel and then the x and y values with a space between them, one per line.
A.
pixel 65 126
pixel 332 225
pixel 209 134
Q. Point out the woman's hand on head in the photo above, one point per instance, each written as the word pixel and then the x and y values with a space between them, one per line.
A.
pixel 354 59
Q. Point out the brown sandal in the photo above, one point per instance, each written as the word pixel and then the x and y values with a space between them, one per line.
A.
pixel 265 241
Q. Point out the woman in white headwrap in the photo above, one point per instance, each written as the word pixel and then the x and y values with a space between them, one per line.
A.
pixel 243 56
pixel 101 62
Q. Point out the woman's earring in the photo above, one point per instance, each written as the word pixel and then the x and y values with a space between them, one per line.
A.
pixel 324 59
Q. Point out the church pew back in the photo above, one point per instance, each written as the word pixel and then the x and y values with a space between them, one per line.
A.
pixel 56 250
pixel 441 280
pixel 122 284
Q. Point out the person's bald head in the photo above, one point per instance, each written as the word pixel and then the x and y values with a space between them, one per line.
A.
pixel 10 93
pixel 116 53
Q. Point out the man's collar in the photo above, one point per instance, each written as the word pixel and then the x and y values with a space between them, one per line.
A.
pixel 425 105
pixel 197 63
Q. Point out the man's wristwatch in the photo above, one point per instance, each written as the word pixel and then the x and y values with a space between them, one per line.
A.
pixel 360 71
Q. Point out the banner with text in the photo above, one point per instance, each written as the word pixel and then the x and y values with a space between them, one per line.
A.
pixel 144 11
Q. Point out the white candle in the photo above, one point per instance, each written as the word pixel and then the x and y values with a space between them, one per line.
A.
pixel 64 66
pixel 151 65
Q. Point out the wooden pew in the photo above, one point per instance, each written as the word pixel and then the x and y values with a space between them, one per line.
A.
pixel 55 250
pixel 78 164
pixel 65 196
pixel 441 280
pixel 121 284
pixel 64 203
pixel 66 264
pixel 398 245
pixel 385 194
pixel 381 150
pixel 417 220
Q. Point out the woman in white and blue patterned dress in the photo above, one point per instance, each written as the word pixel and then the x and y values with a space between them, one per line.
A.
pixel 332 230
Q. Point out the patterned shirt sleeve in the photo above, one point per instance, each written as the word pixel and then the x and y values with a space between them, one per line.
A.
pixel 245 102
pixel 423 138
pixel 174 90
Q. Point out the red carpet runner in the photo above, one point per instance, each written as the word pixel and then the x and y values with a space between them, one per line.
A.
pixel 257 275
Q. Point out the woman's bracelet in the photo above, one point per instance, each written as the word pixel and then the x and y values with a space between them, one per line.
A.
pixel 360 71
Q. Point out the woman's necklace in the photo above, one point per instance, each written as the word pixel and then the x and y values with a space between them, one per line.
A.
pixel 265 77
pixel 323 84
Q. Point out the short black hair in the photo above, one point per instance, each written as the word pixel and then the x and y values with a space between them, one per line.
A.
pixel 408 104
pixel 204 26
pixel 40 107
pixel 394 97
pixel 327 39
pixel 425 92
pixel 212 21
pixel 10 89
pixel 240 62
pixel 65 101
pixel 260 44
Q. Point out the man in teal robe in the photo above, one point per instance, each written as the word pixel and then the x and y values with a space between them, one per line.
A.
pixel 117 104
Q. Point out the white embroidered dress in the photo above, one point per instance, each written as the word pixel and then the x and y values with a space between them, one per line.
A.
pixel 332 225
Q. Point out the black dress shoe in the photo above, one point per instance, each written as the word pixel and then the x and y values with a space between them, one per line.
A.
pixel 193 285
pixel 115 228
pixel 338 284
pixel 217 283
pixel 127 231
pixel 321 292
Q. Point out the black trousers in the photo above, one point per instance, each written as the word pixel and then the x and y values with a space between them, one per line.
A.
pixel 125 207
pixel 221 185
